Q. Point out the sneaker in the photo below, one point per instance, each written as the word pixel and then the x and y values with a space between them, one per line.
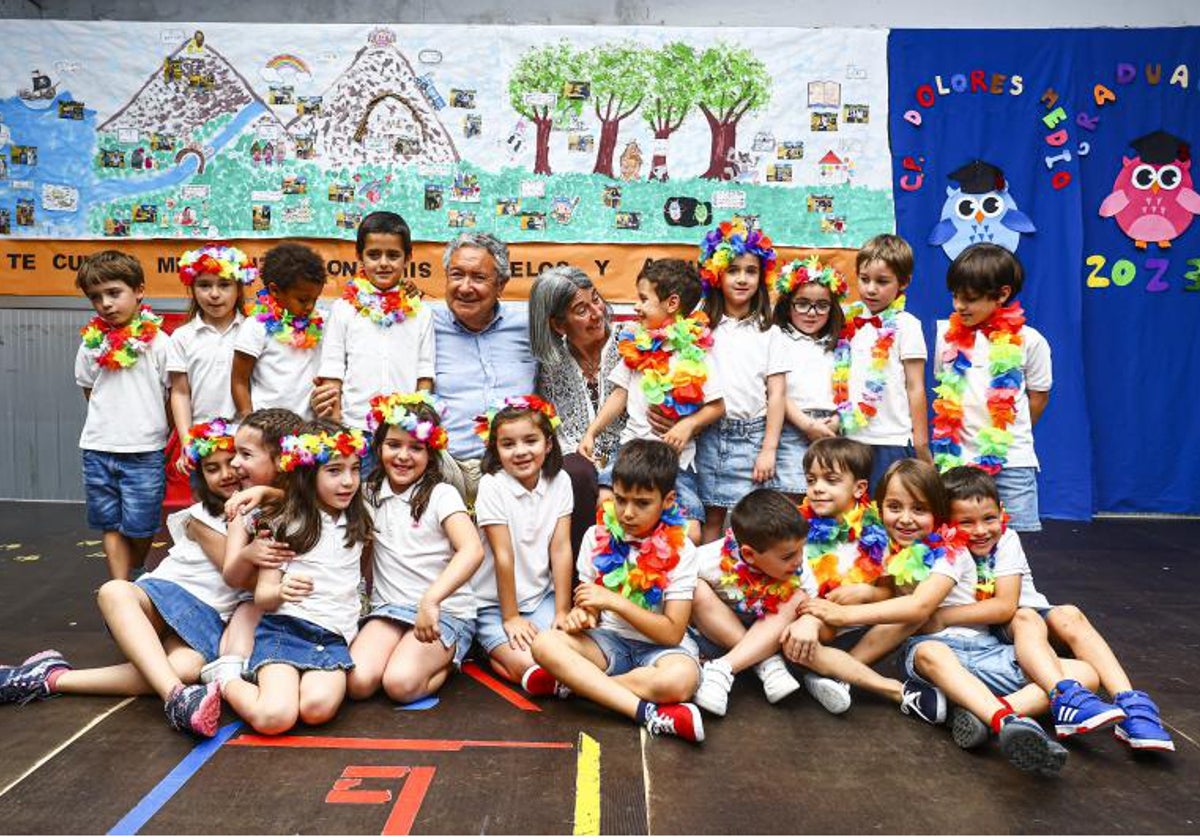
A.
pixel 222 669
pixel 195 709
pixel 924 701
pixel 679 719
pixel 30 680
pixel 1028 747
pixel 1077 710
pixel 777 680
pixel 538 682
pixel 716 679
pixel 1142 728
pixel 967 730
pixel 833 695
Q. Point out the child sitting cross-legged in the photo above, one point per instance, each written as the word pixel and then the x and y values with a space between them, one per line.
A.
pixel 625 643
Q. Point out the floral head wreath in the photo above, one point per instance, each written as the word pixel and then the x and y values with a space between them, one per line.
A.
pixel 400 410
pixel 204 439
pixel 221 260
pixel 308 450
pixel 526 402
pixel 810 270
pixel 728 241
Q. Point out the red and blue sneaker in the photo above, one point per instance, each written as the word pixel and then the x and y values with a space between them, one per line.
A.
pixel 1077 710
pixel 1142 728
pixel 31 679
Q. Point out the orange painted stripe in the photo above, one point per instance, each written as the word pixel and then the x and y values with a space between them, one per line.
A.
pixel 408 802
pixel 519 700
pixel 396 744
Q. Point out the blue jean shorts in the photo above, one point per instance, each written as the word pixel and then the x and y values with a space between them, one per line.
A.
pixel 1019 493
pixel 789 460
pixel 287 640
pixel 687 493
pixel 124 491
pixel 489 626
pixel 725 456
pixel 985 656
pixel 198 624
pixel 623 655
pixel 456 633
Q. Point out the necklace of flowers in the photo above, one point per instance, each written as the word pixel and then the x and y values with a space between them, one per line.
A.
pixel 286 328
pixel 856 416
pixel 643 577
pixel 121 347
pixel 861 525
pixel 913 563
pixel 384 308
pixel 1006 355
pixel 757 592
pixel 985 567
pixel 671 361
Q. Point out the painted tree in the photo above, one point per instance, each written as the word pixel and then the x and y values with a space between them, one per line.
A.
pixel 674 88
pixel 732 82
pixel 535 92
pixel 619 73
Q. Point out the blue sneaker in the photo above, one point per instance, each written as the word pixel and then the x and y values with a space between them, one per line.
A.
pixel 1142 728
pixel 28 681
pixel 1029 748
pixel 920 699
pixel 1077 710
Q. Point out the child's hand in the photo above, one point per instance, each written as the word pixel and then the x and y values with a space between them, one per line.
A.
pixel 933 625
pixel 593 597
pixel 560 620
pixel 799 640
pixel 520 632
pixel 852 593
pixel 677 436
pixel 818 429
pixel 267 553
pixel 295 588
pixel 827 611
pixel 182 465
pixel 243 501
pixel 764 467
pixel 923 453
pixel 587 445
pixel 579 620
pixel 326 398
pixel 426 628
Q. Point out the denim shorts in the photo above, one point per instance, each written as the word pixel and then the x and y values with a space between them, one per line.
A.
pixel 198 624
pixel 489 626
pixel 985 656
pixel 789 461
pixel 124 491
pixel 456 633
pixel 287 640
pixel 883 457
pixel 1019 493
pixel 725 456
pixel 623 655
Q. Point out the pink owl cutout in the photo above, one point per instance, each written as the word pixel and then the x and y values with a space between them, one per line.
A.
pixel 1152 198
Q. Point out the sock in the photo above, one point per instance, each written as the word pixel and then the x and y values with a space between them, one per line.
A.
pixel 644 710
pixel 52 678
pixel 998 718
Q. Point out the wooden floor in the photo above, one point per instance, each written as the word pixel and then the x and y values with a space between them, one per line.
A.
pixel 488 761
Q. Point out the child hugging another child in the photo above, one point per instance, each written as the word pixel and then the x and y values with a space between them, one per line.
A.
pixel 523 509
pixel 749 359
pixel 808 312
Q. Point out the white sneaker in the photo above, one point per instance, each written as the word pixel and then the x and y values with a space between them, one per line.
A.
pixel 776 679
pixel 222 669
pixel 716 679
pixel 833 695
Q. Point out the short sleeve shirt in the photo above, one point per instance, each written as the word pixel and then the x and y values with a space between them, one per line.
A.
pixel 127 410
pixel 892 424
pixel 205 354
pixel 743 356
pixel 283 375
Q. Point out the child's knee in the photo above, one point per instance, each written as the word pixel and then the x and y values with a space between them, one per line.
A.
pixel 405 686
pixel 1066 620
pixel 318 710
pixel 274 718
pixel 362 682
pixel 114 593
pixel 676 682
pixel 928 656
pixel 1027 618
pixel 548 645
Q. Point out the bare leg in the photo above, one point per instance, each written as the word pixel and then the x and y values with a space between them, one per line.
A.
pixel 1036 657
pixel 938 664
pixel 125 680
pixel 509 662
pixel 137 629
pixel 712 617
pixel 416 669
pixel 714 519
pixel 881 640
pixel 119 553
pixel 836 663
pixel 578 663
pixel 371 650
pixel 762 638
pixel 1069 624
pixel 272 706
pixel 1033 700
pixel 321 693
pixel 238 639
pixel 672 679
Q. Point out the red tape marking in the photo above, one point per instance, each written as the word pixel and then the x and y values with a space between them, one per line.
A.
pixel 519 700
pixel 409 800
pixel 398 744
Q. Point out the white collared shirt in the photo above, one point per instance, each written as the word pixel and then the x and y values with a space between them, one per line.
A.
pixel 892 424
pixel 335 572
pixel 205 354
pixel 188 566
pixel 743 356
pixel 127 411
pixel 283 374
pixel 810 380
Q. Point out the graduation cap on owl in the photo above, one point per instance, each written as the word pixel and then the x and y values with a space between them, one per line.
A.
pixel 1159 147
pixel 979 209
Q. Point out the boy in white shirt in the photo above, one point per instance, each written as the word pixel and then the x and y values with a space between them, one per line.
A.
pixel 122 367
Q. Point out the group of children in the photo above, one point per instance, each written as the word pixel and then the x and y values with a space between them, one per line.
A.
pixel 780 419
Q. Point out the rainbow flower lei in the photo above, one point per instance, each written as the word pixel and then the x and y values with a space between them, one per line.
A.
pixel 204 439
pixel 671 361
pixel 309 450
pixel 1006 355
pixel 641 578
pixel 985 567
pixel 384 308
pixel 856 416
pixel 219 260
pixel 860 525
pixel 121 347
pixel 810 270
pixel 728 241
pixel 286 328
pixel 759 593
pixel 400 410
pixel 525 402
pixel 913 563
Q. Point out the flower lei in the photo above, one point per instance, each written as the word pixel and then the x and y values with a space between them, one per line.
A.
pixel 913 563
pixel 121 347
pixel 985 567
pixel 671 361
pixel 861 525
pixel 219 260
pixel 641 578
pixel 204 439
pixel 856 416
pixel 810 270
pixel 400 410
pixel 1006 355
pixel 303 333
pixel 526 402
pixel 384 308
pixel 728 241
pixel 308 450
pixel 758 592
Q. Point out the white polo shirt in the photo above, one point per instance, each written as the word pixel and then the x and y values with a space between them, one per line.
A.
pixel 283 375
pixel 892 424
pixel 188 566
pixel 743 356
pixel 335 571
pixel 810 378
pixel 1011 560
pixel 127 411
pixel 205 354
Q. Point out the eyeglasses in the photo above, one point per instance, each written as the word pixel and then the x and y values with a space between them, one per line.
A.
pixel 809 307
pixel 456 275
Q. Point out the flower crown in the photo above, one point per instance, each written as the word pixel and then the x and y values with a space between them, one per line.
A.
pixel 526 402
pixel 400 410
pixel 204 439
pixel 728 241
pixel 221 260
pixel 309 449
pixel 810 270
